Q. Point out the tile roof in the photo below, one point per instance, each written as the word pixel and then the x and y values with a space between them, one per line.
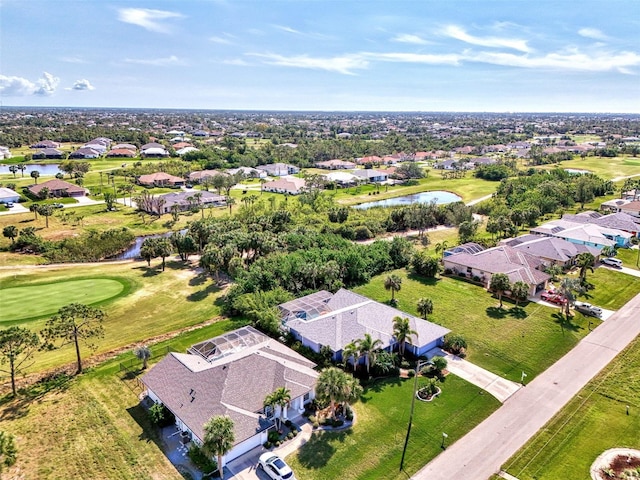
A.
pixel 56 185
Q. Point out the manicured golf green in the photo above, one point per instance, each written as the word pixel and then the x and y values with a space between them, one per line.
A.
pixel 38 300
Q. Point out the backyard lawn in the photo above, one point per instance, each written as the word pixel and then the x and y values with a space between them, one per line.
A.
pixel 95 427
pixel 594 421
pixel 506 342
pixel 140 302
pixel 373 447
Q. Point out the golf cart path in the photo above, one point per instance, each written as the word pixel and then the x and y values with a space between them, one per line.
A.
pixel 482 452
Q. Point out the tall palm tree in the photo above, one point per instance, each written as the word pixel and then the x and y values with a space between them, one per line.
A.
pixel 230 202
pixel 282 399
pixel 500 283
pixel 585 262
pixel 350 353
pixel 218 438
pixel 330 386
pixel 35 174
pixel 424 307
pixel 403 333
pixel 570 288
pixel 269 403
pixel 441 247
pixel 393 282
pixel 367 348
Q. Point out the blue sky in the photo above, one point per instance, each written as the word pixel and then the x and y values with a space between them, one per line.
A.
pixel 398 55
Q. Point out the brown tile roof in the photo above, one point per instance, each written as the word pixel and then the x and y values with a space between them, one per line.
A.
pixel 56 185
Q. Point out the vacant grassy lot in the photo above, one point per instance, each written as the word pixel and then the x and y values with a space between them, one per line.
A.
pixel 594 421
pixel 506 341
pixel 94 425
pixel 612 288
pixel 373 447
pixel 629 257
pixel 155 303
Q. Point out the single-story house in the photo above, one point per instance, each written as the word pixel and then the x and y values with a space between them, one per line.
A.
pixel 121 153
pixel 231 375
pixel 160 179
pixel 187 200
pixel 49 153
pixel 370 160
pixel 199 175
pixel 551 250
pixel 85 152
pixel 5 153
pixel 619 221
pixel 98 147
pixel 128 146
pixel 344 179
pixel 335 164
pixel 184 150
pixel 632 209
pixel 517 265
pixel 371 175
pixel 58 188
pixel 154 152
pixel 248 172
pixel 469 247
pixel 335 320
pixel 279 169
pixel 45 144
pixel 614 206
pixel 146 146
pixel 584 233
pixel 7 195
pixel 290 185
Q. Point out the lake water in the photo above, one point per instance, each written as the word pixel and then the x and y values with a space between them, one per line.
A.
pixel 440 198
pixel 44 170
pixel 134 250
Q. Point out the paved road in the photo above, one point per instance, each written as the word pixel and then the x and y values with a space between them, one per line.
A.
pixel 481 452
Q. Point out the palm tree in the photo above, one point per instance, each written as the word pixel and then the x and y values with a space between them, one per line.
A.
pixel 218 438
pixel 425 307
pixel 609 251
pixel 269 403
pixel 143 353
pixel 35 174
pixel 585 262
pixel 13 169
pixel 367 348
pixel 499 283
pixel 11 232
pixel 403 333
pixel 282 399
pixel 22 167
pixel 441 247
pixel 554 270
pixel 331 385
pixel 570 288
pixel 350 352
pixel 393 282
pixel 519 291
pixel 230 202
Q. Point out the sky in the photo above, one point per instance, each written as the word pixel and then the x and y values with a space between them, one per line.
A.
pixel 365 55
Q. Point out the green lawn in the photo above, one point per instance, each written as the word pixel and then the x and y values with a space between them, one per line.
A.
pixel 604 167
pixel 156 303
pixel 373 447
pixel 506 341
pixel 594 421
pixel 612 288
pixel 629 257
pixel 37 300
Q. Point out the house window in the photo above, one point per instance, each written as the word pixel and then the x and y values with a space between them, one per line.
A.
pixel 306 397
pixel 469 270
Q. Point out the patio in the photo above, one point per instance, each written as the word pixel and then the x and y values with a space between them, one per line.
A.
pixel 177 451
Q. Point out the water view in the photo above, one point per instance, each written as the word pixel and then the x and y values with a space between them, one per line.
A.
pixel 48 169
pixel 440 197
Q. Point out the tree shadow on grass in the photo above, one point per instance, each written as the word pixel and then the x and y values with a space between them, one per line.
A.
pixel 16 407
pixel 322 445
pixel 149 433
pixel 204 293
pixel 423 280
pixel 376 385
pixel 500 313
pixel 198 279
pixel 152 271
pixel 565 324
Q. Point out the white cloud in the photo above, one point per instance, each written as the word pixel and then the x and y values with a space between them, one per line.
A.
pixel 148 18
pixel 571 60
pixel 20 87
pixel 458 33
pixel 408 38
pixel 288 29
pixel 238 62
pixel 220 40
pixel 82 84
pixel 432 59
pixel 344 64
pixel 73 60
pixel 156 62
pixel 592 33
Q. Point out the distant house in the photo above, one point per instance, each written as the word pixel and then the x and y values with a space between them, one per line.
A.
pixel 187 201
pixel 49 153
pixel 98 147
pixel 618 221
pixel 613 206
pixel 160 179
pixel 121 153
pixel 482 161
pixel 289 185
pixel 517 265
pixel 127 146
pixel 7 195
pixel 200 175
pixel 551 250
pixel 5 153
pixel 632 209
pixel 330 320
pixel 184 150
pixel 58 188
pixel 45 144
pixel 85 152
pixel 231 375
pixel 586 234
pixel 248 172
pixel 343 179
pixel 335 164
pixel 279 169
pixel 370 160
pixel 371 175
pixel 153 149
pixel 200 133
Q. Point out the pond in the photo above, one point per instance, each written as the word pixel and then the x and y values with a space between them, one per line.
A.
pixel 133 251
pixel 439 196
pixel 576 171
pixel 43 169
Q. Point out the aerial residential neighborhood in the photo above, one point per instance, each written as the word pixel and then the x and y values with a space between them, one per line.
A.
pixel 284 240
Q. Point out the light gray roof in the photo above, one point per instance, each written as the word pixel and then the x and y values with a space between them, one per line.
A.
pixel 236 384
pixel 350 316
pixel 553 248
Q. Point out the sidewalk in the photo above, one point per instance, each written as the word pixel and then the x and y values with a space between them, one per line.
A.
pixel 497 386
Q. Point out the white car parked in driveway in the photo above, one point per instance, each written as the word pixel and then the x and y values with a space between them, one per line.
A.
pixel 612 262
pixel 275 467
pixel 588 309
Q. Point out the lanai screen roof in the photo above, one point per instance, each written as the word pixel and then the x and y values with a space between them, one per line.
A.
pixel 228 343
pixel 306 307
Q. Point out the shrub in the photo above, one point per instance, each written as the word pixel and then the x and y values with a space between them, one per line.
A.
pixel 267 444
pixel 411 373
pixel 363 233
pixel 312 418
pixel 338 423
pixel 405 364
pixel 205 464
pixel 316 424
pixel 349 414
pixel 273 436
pixel 290 435
pixel 425 371
pixel 161 416
pixel 288 423
pixel 447 271
pixel 455 344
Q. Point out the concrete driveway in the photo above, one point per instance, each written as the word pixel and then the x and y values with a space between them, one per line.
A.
pixel 17 208
pixel 497 386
